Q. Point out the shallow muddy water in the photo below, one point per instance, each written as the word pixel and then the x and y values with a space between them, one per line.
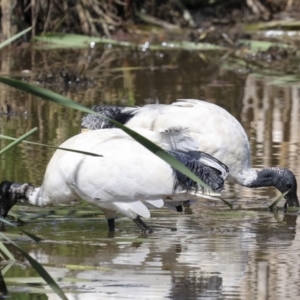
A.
pixel 206 252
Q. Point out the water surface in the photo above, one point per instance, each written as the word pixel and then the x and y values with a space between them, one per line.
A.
pixel 207 252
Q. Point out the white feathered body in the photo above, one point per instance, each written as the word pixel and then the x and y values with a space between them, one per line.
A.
pixel 126 174
pixel 216 131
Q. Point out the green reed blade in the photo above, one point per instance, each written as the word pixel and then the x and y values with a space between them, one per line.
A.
pixel 39 268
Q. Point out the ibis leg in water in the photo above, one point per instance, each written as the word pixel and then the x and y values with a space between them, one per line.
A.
pixel 143 226
pixel 111 224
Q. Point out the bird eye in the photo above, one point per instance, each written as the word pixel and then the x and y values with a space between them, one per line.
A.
pixel 289 186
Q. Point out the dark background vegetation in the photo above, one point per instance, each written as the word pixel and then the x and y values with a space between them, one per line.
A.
pixel 118 18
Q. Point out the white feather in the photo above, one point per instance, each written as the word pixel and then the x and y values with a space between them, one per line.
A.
pixel 156 203
pixel 178 139
pixel 216 131
pixel 133 209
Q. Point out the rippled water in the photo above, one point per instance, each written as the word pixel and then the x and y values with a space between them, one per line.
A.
pixel 207 252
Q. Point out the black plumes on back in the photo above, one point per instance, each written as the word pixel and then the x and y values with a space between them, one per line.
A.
pixel 210 176
pixel 92 122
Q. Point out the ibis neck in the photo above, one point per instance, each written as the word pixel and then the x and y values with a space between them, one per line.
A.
pixel 245 177
pixel 29 193
pixel 21 191
pixel 34 197
pixel 267 177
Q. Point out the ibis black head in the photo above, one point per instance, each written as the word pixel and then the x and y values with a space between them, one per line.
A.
pixel 7 197
pixel 288 182
pixel 283 179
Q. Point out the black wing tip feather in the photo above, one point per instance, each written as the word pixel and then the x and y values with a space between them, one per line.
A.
pixel 216 160
pixel 208 175
pixel 117 113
